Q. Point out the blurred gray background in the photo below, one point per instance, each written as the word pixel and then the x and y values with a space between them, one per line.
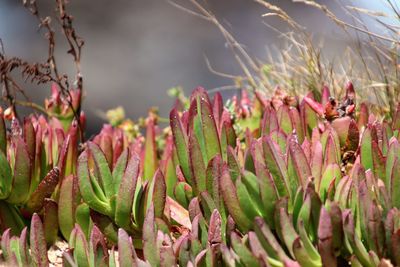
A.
pixel 136 49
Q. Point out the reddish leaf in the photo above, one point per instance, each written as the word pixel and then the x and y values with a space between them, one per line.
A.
pixel 38 242
pixel 325 239
pixel 44 190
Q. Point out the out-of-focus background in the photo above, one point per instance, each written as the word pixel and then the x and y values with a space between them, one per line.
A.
pixel 135 50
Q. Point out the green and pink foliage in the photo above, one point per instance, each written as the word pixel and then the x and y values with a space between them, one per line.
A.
pixel 285 181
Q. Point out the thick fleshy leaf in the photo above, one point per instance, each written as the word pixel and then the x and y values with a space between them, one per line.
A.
pixel 150 249
pixel 178 213
pixel 126 193
pixel 5 177
pixel 355 242
pixel 104 172
pixel 284 119
pixel 257 249
pixel 337 227
pixel 150 163
pixel 308 245
pixel 298 167
pixel 50 221
pixel 98 251
pixel 288 232
pixel 248 203
pixel 106 226
pixel 269 242
pixel 22 173
pixel 197 165
pixel 296 123
pixel 277 166
pixel 348 133
pixel 269 122
pixel 159 194
pixel 308 117
pixel 375 229
pixel 82 217
pixel 38 242
pixel 80 245
pixel 366 150
pixel 70 147
pixel 268 192
pixel 210 132
pixel 120 168
pixel 233 163
pixel 68 201
pixel 331 174
pixel 10 217
pixel 87 186
pixel 230 197
pixel 317 107
pixel 126 252
pixel 395 183
pixel 332 151
pixel 213 175
pixel 218 108
pixel 5 244
pixel 317 163
pixel 302 256
pixel 244 254
pixel 3 135
pixel 44 190
pixel 181 143
pixel 325 242
pixel 214 229
pixel 23 248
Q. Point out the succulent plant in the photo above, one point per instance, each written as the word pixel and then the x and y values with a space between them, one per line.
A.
pixel 286 181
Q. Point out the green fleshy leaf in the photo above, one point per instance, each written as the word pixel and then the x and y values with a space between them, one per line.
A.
pixel 366 150
pixel 197 166
pixel 3 135
pixel 302 256
pixel 98 252
pixel 50 221
pixel 6 177
pixel 82 216
pixel 80 245
pixel 95 201
pixel 150 155
pixel 104 172
pixel 67 203
pixel 276 166
pixel 231 200
pixel 269 242
pixel 332 173
pixel 288 232
pixel 210 132
pixel 245 256
pixel 285 122
pixel 22 173
pixel 126 193
pixel 181 144
pixel 298 167
pixel 119 169
pixel 150 249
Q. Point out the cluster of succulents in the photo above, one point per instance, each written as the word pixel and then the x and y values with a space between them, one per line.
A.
pixel 281 181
